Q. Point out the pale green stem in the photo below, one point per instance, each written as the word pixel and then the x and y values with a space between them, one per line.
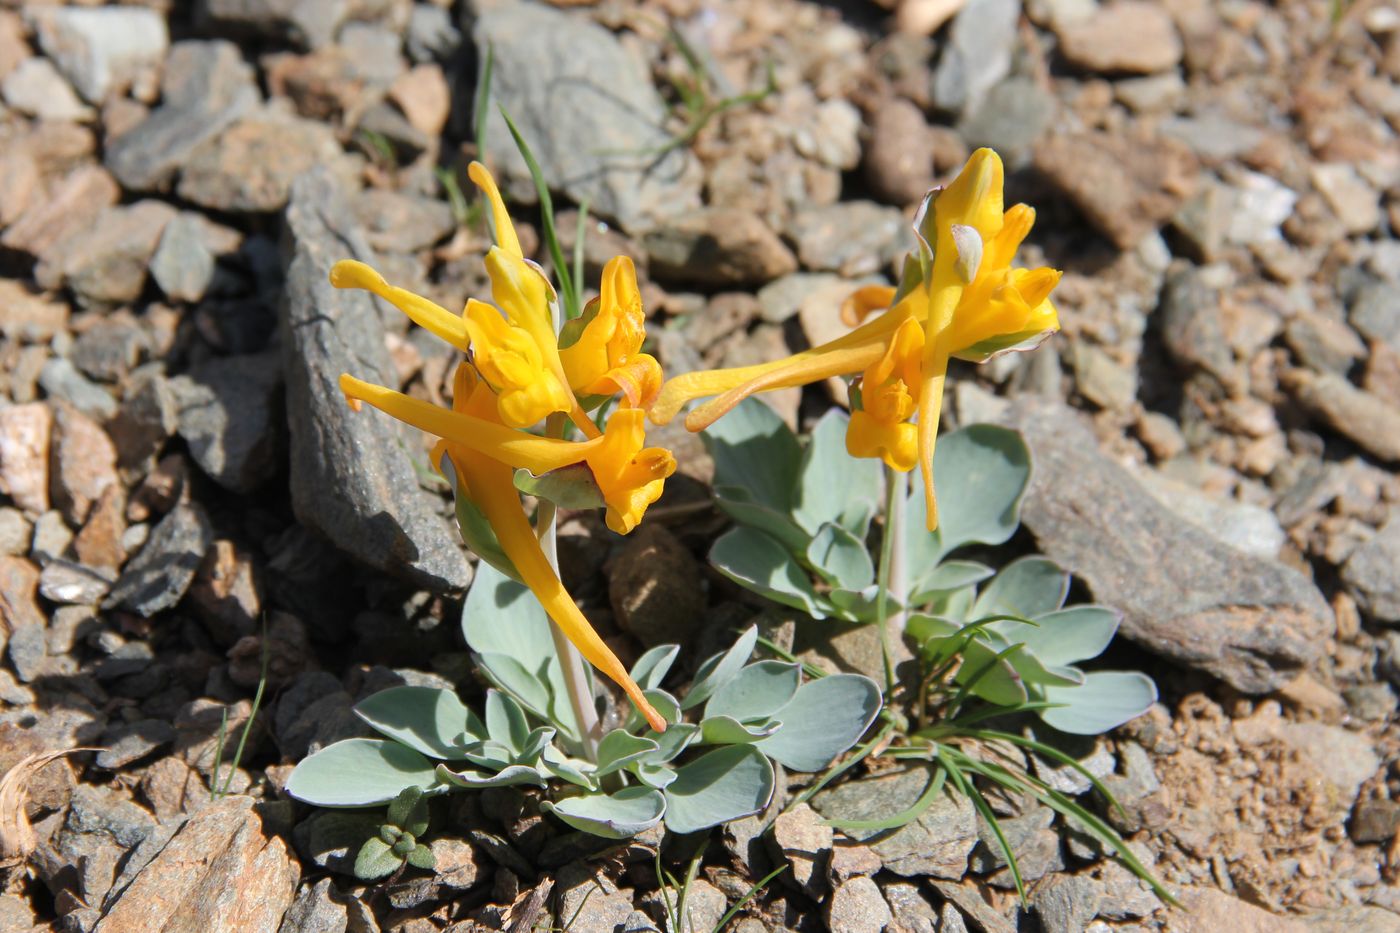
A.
pixel 570 661
pixel 892 575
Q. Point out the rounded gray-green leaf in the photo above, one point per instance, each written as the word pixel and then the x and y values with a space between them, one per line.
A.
pixel 360 773
pixel 426 719
pixel 1105 701
pixel 723 785
pixel 616 816
pixel 823 719
pixel 756 692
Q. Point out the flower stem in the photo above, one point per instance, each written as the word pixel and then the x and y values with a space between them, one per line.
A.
pixel 892 574
pixel 570 661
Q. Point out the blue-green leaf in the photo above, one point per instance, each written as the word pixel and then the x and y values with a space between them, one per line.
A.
pixel 980 475
pixel 757 562
pixel 753 448
pixel 426 719
pixel 721 668
pixel 1069 635
pixel 840 558
pixel 651 668
pixel 756 692
pixel 948 576
pixel 1029 588
pixel 509 776
pixel 616 816
pixel 726 730
pixel 735 502
pixel 824 718
pixel 833 487
pixel 620 748
pixel 1105 701
pixel 360 773
pixel 511 677
pixel 722 785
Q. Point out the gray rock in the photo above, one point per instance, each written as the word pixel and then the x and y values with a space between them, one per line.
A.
pixel 110 349
pixel 157 577
pixel 36 88
pixel 51 538
pixel 1066 903
pixel 183 265
pixel 1188 316
pixel 717 246
pixel 564 79
pixel 230 414
pixel 592 900
pixel 1353 199
pixel 1101 379
pixel 1011 117
pixel 1372 423
pixel 102 826
pixel 1213 136
pixel 1375 312
pixel 70 584
pixel 1251 528
pixel 858 907
pixel 1323 343
pixel 28 648
pixel 1184 595
pixel 804 842
pixel 147 419
pixel 977 54
pixel 781 298
pixel 205 88
pixel 60 379
pixel 127 742
pixel 853 238
pixel 101 49
pixel 431 34
pixel 1372 574
pixel 395 222
pixel 375 51
pixel 330 839
pixel 1372 702
pixel 351 477
pixel 1130 36
pixel 936 844
pixel 107 262
pixel 1375 820
pixel 1346 759
pixel 319 908
pixel 308 23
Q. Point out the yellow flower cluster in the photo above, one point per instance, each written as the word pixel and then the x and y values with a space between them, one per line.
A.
pixel 960 299
pixel 516 375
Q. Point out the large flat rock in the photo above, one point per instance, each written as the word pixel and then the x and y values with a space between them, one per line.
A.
pixel 352 478
pixel 1184 594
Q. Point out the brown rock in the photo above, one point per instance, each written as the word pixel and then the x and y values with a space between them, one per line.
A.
pixel 423 96
pixel 225 593
pixel 82 463
pixel 1210 909
pixel 49 787
pixel 105 261
pixel 252 165
pixel 99 543
pixel 19 183
pixel 804 842
pixel 160 490
pixel 69 209
pixel 27 316
pixel 24 455
pixel 13 48
pixel 1125 186
pixel 1132 36
pixel 1371 422
pixel 219 873
pixel 19 582
pixel 1184 594
pixel 898 160
pixel 654 586
pixel 717 246
pixel 173 788
pixel 324 85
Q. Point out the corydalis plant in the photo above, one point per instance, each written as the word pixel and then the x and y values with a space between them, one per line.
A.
pixel 713 763
pixel 517 374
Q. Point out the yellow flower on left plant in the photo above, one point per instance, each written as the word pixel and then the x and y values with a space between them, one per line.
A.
pixel 515 376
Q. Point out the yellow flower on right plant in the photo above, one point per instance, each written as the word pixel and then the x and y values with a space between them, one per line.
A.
pixel 968 303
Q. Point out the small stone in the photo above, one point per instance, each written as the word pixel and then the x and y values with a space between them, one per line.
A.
pixel 424 97
pixel 977 55
pixel 51 538
pixel 173 788
pixel 61 379
pixel 1251 528
pixel 898 166
pixel 654 585
pixel 206 86
pixel 1375 820
pixel 28 650
pixel 1150 94
pixel 15 532
pixel 858 907
pixel 402 223
pixel 225 594
pixel 1012 117
pixel 1101 379
pixel 1125 185
pixel 320 908
pixel 82 463
pixel 230 416
pixel 804 842
pixel 1372 423
pixel 592 900
pixel 104 49
pixel 1372 574
pixel 1191 326
pixel 147 419
pixel 25 432
pixel 853 238
pixel 456 863
pixel 431 34
pixel 71 584
pixel 1130 36
pixel 937 844
pixel 1375 313
pixel 1355 202
pixel 70 208
pixel 1346 759
pixel 182 265
pixel 1373 702
pixel 831 136
pixel 251 166
pixel 157 577
pixel 127 742
pixel 1324 343
pixel 37 89
pixel 718 247
pixel 29 317
pixel 221 868
pixel 107 263
pixel 1066 903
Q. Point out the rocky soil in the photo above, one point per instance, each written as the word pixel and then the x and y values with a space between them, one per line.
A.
pixel 1216 432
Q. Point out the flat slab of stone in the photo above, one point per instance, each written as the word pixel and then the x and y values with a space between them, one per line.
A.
pixel 1185 595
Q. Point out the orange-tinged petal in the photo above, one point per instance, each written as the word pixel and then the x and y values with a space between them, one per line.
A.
pixel 897 444
pixel 630 476
pixel 493 491
pixel 426 314
pixel 864 301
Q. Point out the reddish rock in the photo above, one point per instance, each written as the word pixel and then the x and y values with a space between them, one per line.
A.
pixel 19 582
pixel 70 208
pixel 24 455
pixel 99 543
pixel 82 463
pixel 106 260
pixel 424 97
pixel 1129 36
pixel 28 317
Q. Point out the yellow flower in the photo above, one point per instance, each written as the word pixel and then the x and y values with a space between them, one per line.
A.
pixel 606 357
pixel 630 476
pixel 489 483
pixel 509 359
pixel 961 293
